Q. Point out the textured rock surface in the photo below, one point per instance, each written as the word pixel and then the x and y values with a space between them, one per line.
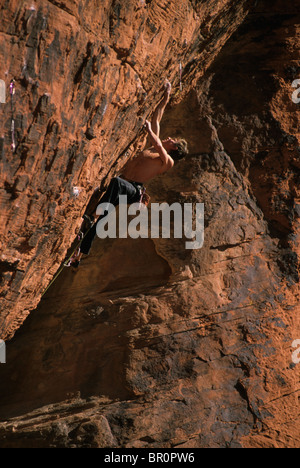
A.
pixel 87 75
pixel 151 345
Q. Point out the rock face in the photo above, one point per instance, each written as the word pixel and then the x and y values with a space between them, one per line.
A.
pixel 150 344
pixel 87 74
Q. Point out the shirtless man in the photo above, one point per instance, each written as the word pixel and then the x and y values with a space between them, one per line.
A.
pixel 147 164
pixel 157 159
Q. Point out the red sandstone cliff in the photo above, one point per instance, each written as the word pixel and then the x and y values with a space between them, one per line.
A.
pixel 151 345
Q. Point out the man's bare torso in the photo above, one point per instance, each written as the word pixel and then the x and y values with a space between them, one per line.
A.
pixel 144 166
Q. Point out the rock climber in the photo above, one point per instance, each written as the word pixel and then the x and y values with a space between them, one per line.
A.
pixel 147 164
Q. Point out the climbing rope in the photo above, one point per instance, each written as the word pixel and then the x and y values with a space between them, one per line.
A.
pixel 2 101
pixel 12 90
pixel 180 76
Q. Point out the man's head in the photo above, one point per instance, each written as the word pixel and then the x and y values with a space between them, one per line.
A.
pixel 177 148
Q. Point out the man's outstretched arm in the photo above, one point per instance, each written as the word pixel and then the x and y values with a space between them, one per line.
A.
pixel 159 111
pixel 165 158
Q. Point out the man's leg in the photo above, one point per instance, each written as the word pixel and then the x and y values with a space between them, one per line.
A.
pixel 116 188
